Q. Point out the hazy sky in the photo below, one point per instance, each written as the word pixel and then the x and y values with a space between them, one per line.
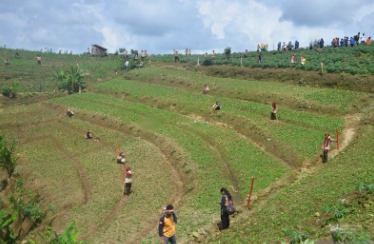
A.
pixel 159 26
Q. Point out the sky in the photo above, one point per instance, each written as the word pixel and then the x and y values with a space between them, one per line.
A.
pixel 159 26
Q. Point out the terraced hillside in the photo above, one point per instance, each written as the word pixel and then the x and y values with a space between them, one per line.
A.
pixel 182 152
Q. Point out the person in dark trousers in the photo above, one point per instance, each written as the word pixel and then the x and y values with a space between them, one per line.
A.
pixel 70 113
pixel 326 147
pixel 128 181
pixel 274 109
pixel 217 106
pixel 39 59
pixel 89 135
pixel 225 220
pixel 167 226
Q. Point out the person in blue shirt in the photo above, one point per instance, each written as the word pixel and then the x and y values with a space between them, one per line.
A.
pixel 225 219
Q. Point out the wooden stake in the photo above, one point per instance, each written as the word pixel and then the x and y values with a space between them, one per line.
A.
pixel 337 139
pixel 250 192
pixel 211 104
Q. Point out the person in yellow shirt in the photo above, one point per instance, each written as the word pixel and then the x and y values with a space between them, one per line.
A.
pixel 167 226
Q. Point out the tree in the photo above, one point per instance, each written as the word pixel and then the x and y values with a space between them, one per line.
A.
pixel 227 52
pixel 7 159
pixel 72 81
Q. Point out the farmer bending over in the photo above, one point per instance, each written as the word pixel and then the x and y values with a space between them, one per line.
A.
pixel 217 106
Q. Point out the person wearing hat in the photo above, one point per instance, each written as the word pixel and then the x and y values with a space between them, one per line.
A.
pixel 167 225
pixel 128 181
pixel 326 147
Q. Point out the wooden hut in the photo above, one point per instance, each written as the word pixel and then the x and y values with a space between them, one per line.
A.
pixel 97 50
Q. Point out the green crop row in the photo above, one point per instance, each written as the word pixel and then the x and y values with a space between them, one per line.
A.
pixel 307 98
pixel 353 60
pixel 192 137
pixel 303 127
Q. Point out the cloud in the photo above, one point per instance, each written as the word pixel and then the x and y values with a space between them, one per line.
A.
pixel 163 25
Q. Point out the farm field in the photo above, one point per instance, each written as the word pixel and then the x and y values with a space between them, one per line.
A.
pixel 182 152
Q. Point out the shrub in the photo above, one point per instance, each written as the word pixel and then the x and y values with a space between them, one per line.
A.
pixel 337 212
pixel 7 234
pixel 7 159
pixel 70 235
pixel 349 236
pixel 25 203
pixel 207 62
pixel 9 91
pixel 297 237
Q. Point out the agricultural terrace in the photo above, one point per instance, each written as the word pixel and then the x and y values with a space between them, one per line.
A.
pixel 182 152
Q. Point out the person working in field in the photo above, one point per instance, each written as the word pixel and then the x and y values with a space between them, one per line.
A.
pixel 206 89
pixel 69 113
pixel 121 158
pixel 89 135
pixel 217 106
pixel 128 181
pixel 39 59
pixel 326 147
pixel 274 108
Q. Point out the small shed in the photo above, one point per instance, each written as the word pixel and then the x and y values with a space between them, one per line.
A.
pixel 97 50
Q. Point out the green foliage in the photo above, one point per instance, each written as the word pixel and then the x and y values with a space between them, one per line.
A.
pixel 69 236
pixel 7 158
pixel 9 91
pixel 72 81
pixel 207 62
pixel 7 235
pixel 24 203
pixel 337 211
pixel 297 237
pixel 351 236
pixel 227 53
pixel 368 188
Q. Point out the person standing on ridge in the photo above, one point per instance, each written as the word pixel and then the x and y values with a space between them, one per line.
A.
pixel 274 109
pixel 128 181
pixel 326 147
